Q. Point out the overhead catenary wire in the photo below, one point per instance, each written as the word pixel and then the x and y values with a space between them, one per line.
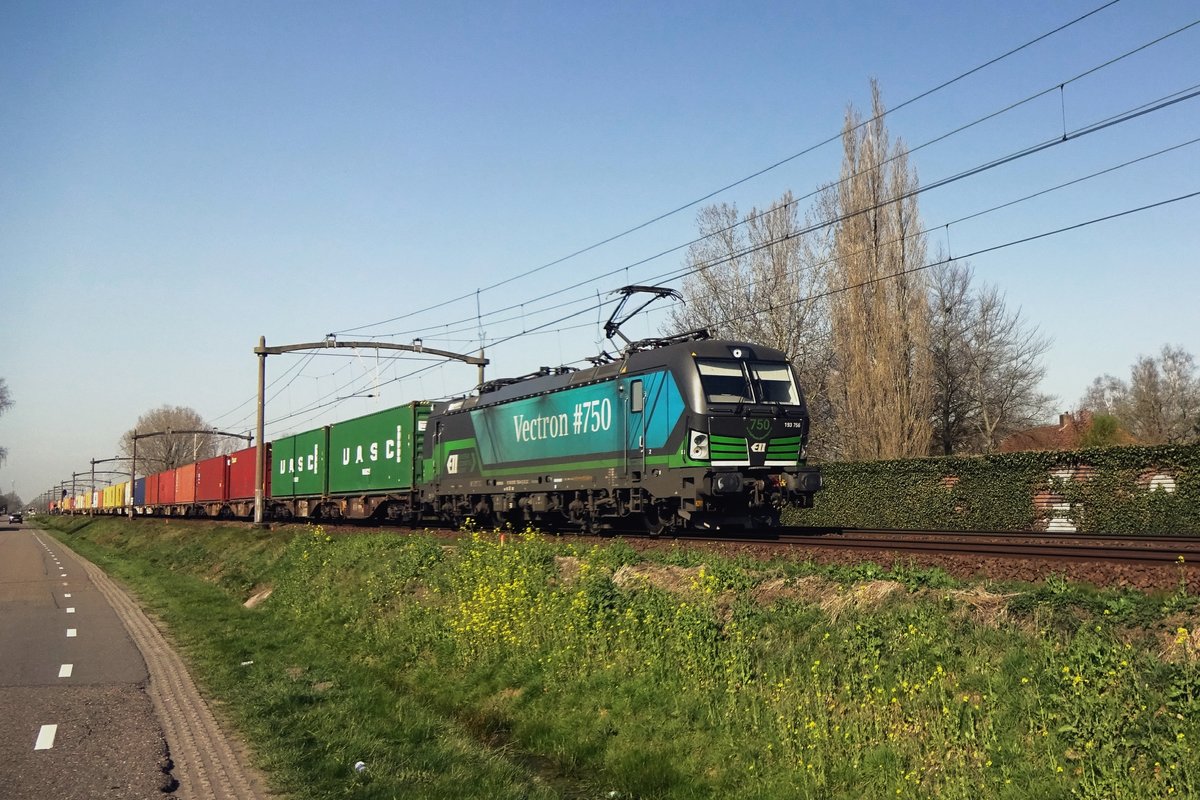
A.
pixel 1187 94
pixel 295 365
pixel 939 262
pixel 692 203
pixel 681 272
pixel 983 251
pixel 324 405
pixel 1057 139
pixel 677 273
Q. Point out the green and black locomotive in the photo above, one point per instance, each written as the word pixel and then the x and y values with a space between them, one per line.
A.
pixel 682 433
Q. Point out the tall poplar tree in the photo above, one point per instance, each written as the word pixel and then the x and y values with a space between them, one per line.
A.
pixel 881 387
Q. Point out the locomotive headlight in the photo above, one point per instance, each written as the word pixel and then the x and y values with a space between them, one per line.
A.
pixel 698 446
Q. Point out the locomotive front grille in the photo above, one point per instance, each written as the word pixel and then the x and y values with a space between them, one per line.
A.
pixel 729 451
pixel 783 452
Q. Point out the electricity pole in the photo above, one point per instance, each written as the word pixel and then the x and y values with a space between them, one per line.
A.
pixel 262 351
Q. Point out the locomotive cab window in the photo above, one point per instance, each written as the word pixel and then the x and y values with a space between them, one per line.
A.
pixel 774 383
pixel 724 381
pixel 728 381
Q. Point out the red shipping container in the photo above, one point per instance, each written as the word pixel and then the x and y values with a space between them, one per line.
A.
pixel 241 473
pixel 166 488
pixel 152 490
pixel 211 479
pixel 185 484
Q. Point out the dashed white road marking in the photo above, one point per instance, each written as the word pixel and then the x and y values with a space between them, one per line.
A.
pixel 70 633
pixel 45 739
pixel 65 670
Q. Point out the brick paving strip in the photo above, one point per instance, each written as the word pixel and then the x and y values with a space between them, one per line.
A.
pixel 205 765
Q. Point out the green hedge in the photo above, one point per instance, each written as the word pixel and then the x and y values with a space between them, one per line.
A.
pixel 1107 488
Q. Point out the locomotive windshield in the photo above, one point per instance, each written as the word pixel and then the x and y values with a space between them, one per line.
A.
pixel 724 381
pixel 730 381
pixel 774 383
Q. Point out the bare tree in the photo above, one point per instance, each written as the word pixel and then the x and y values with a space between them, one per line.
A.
pixel 954 407
pixel 1005 369
pixel 987 365
pixel 5 404
pixel 1161 402
pixel 158 453
pixel 1106 395
pixel 880 386
pixel 1166 396
pixel 755 279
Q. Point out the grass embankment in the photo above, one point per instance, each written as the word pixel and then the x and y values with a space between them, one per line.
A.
pixel 538 669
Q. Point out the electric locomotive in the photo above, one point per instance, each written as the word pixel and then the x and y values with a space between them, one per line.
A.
pixel 681 432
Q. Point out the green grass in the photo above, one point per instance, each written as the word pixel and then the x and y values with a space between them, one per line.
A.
pixel 488 669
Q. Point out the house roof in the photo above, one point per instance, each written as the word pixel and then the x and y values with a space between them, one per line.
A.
pixel 1066 435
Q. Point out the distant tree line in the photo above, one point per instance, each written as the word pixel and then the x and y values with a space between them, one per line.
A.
pixel 5 404
pixel 12 501
pixel 1159 404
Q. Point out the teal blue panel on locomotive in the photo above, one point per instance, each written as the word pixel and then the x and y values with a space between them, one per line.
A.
pixel 376 452
pixel 299 464
pixel 580 422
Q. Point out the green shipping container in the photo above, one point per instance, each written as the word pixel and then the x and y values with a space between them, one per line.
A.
pixel 299 464
pixel 378 452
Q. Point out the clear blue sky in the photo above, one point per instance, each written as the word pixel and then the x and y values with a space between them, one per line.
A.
pixel 178 179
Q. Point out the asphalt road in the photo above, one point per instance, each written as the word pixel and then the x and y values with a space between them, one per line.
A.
pixel 93 702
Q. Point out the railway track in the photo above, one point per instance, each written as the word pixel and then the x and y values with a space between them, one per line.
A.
pixel 1149 550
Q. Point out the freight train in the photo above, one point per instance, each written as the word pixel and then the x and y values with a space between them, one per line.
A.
pixel 676 433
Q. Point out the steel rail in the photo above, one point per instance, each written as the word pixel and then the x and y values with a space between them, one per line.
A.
pixel 1106 548
pixel 1112 538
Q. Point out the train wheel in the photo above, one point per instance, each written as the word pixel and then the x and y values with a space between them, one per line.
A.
pixel 658 520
